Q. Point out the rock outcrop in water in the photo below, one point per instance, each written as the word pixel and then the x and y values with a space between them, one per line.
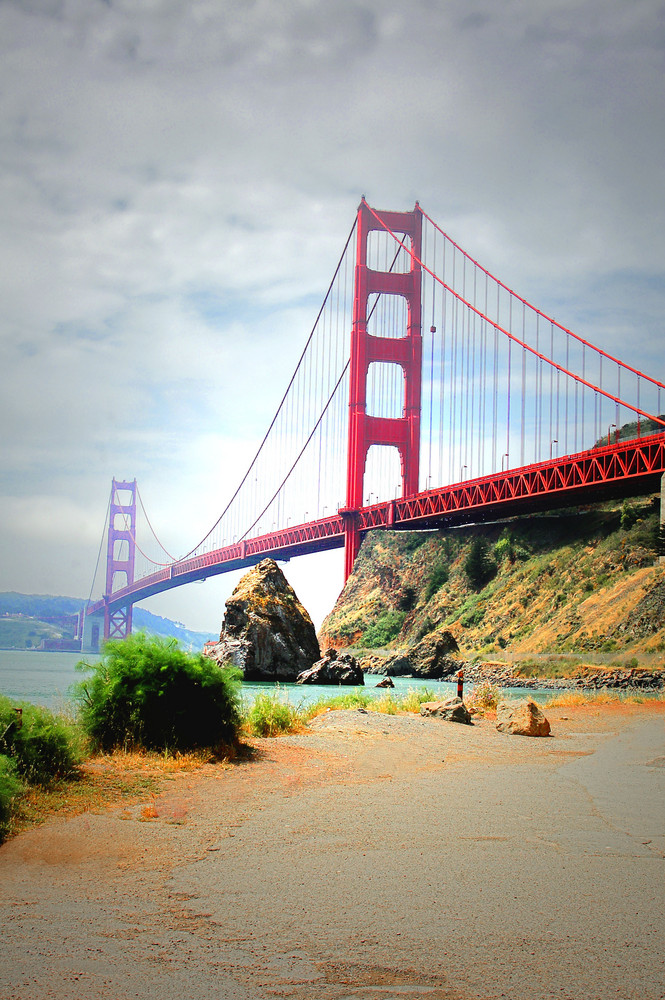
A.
pixel 430 658
pixel 266 632
pixel 333 668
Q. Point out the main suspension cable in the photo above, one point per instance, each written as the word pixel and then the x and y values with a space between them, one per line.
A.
pixel 279 408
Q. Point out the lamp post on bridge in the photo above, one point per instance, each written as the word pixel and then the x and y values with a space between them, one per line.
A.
pixel 552 443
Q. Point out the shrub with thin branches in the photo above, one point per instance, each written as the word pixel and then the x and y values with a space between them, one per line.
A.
pixel 148 692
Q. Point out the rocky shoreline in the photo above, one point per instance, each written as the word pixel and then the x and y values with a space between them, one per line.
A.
pixel 269 636
pixel 502 675
pixel 435 659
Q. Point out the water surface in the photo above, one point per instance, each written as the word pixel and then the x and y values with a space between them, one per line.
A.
pixel 47 679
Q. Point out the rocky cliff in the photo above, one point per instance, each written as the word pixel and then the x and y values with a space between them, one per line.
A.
pixel 584 581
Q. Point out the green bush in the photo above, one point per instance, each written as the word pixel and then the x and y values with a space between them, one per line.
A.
pixel 472 618
pixel 385 628
pixel 269 716
pixel 479 565
pixel 628 516
pixel 148 692
pixel 44 747
pixel 413 540
pixel 505 547
pixel 11 788
pixel 438 577
pixel 414 697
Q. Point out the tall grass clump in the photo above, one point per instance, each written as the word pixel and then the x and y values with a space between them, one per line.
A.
pixel 414 698
pixel 44 747
pixel 11 788
pixel 148 692
pixel 268 716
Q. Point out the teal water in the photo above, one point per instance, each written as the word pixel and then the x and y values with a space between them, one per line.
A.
pixel 40 678
pixel 47 678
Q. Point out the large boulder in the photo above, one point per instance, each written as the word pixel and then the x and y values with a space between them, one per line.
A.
pixel 452 710
pixel 521 718
pixel 431 657
pixel 266 631
pixel 333 668
pixel 397 665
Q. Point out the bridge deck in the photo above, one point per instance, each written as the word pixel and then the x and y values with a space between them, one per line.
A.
pixel 621 469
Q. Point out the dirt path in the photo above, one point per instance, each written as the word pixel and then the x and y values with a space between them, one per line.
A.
pixel 376 857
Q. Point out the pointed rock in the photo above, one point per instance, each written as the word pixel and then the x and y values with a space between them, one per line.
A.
pixel 266 631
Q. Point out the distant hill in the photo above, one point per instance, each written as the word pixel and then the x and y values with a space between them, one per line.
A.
pixel 27 619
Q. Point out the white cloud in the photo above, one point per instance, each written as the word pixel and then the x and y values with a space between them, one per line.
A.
pixel 178 180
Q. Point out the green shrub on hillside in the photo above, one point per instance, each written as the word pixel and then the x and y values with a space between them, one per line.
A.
pixel 645 531
pixel 505 547
pixel 11 788
pixel 44 747
pixel 479 565
pixel 628 516
pixel 438 577
pixel 385 628
pixel 148 692
pixel 413 540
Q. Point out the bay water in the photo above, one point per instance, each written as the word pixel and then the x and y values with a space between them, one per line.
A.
pixel 47 678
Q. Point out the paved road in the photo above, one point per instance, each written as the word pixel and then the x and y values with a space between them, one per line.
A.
pixel 375 858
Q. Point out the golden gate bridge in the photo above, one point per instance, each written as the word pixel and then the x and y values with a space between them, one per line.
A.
pixel 428 394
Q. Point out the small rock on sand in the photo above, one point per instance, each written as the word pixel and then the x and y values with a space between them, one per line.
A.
pixel 453 710
pixel 522 718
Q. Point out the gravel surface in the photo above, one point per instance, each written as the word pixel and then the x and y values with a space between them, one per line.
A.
pixel 373 857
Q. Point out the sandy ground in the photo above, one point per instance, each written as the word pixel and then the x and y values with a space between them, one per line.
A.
pixel 375 857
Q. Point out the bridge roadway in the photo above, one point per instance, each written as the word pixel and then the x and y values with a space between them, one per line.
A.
pixel 621 469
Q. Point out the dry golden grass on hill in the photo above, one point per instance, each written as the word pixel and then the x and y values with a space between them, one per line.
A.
pixel 586 580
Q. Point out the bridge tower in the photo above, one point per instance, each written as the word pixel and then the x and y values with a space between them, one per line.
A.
pixel 120 554
pixel 366 430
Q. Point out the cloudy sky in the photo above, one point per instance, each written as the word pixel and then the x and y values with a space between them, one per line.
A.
pixel 178 179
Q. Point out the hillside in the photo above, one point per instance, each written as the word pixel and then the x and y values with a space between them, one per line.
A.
pixel 28 620
pixel 584 581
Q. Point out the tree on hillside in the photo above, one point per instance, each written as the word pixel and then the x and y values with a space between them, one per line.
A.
pixel 479 564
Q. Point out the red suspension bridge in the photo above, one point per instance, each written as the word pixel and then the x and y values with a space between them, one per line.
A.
pixel 428 394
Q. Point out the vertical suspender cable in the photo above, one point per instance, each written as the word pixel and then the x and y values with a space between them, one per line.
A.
pixel 523 417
